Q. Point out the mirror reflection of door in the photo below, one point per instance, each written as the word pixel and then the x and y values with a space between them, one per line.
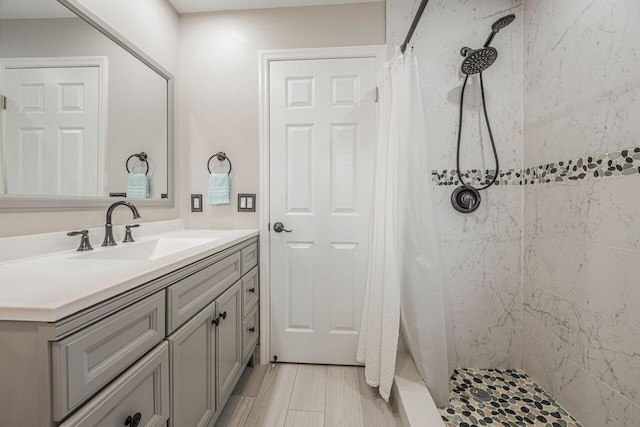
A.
pixel 53 138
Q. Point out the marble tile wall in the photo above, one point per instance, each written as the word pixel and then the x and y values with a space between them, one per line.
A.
pixel 581 268
pixel 546 276
pixel 482 252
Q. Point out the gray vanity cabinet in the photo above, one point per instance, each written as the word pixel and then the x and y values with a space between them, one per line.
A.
pixel 167 353
pixel 229 308
pixel 193 370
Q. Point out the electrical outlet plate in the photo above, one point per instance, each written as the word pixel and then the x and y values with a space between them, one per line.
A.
pixel 196 203
pixel 246 202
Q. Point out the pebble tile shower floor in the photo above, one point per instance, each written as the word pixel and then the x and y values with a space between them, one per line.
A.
pixel 516 401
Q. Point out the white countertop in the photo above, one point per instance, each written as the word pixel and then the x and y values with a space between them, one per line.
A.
pixel 49 287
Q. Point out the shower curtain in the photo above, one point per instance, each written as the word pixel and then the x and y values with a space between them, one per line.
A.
pixel 404 286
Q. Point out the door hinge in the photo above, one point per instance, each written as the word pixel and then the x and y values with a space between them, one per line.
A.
pixel 3 102
pixel 377 95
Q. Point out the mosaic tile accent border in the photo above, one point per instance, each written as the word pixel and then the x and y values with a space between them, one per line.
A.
pixel 616 163
pixel 477 177
pixel 516 401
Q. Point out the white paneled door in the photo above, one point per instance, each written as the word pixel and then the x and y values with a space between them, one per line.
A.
pixel 322 153
pixel 51 139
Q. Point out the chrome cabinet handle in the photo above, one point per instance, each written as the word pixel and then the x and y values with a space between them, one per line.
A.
pixel 278 227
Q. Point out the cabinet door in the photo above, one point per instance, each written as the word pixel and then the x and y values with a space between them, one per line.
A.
pixel 229 346
pixel 250 291
pixel 250 332
pixel 193 349
pixel 142 391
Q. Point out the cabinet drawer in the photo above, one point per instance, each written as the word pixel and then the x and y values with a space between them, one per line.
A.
pixel 143 389
pixel 87 360
pixel 192 294
pixel 250 332
pixel 249 257
pixel 250 291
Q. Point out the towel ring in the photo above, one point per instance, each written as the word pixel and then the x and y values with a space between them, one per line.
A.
pixel 222 157
pixel 142 157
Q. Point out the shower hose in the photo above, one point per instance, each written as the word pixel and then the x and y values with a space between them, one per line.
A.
pixel 493 145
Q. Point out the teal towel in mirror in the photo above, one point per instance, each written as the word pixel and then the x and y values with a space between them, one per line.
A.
pixel 137 186
pixel 219 188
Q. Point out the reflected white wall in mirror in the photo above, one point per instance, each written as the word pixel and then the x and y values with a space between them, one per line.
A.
pixel 78 106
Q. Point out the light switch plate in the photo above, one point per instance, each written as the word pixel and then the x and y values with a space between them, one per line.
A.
pixel 196 203
pixel 246 202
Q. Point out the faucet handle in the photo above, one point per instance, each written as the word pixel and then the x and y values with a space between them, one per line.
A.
pixel 85 245
pixel 128 237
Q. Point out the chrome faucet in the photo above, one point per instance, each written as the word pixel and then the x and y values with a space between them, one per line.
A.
pixel 108 228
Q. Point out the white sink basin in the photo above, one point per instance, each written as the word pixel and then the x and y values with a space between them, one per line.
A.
pixel 147 251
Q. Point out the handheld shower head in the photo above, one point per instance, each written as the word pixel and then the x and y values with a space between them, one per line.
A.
pixel 503 22
pixel 499 25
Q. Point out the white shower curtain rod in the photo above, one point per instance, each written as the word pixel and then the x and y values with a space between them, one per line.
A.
pixel 414 24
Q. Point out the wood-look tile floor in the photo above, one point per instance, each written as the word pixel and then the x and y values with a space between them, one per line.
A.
pixel 289 395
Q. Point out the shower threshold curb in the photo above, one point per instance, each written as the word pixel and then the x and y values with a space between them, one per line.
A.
pixel 411 396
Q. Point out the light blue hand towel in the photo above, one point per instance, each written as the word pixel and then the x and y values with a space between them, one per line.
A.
pixel 137 186
pixel 219 188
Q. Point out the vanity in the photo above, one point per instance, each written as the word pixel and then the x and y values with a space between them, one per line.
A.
pixel 151 333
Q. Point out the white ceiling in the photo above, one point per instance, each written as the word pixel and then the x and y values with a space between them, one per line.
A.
pixel 33 9
pixel 191 6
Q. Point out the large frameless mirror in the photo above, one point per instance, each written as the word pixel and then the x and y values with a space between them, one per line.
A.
pixel 85 117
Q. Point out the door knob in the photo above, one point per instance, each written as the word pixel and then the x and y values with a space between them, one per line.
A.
pixel 278 227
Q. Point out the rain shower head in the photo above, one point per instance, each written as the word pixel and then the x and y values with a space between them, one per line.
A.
pixel 476 61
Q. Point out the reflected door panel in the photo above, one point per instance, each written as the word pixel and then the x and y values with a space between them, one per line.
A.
pixel 51 143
